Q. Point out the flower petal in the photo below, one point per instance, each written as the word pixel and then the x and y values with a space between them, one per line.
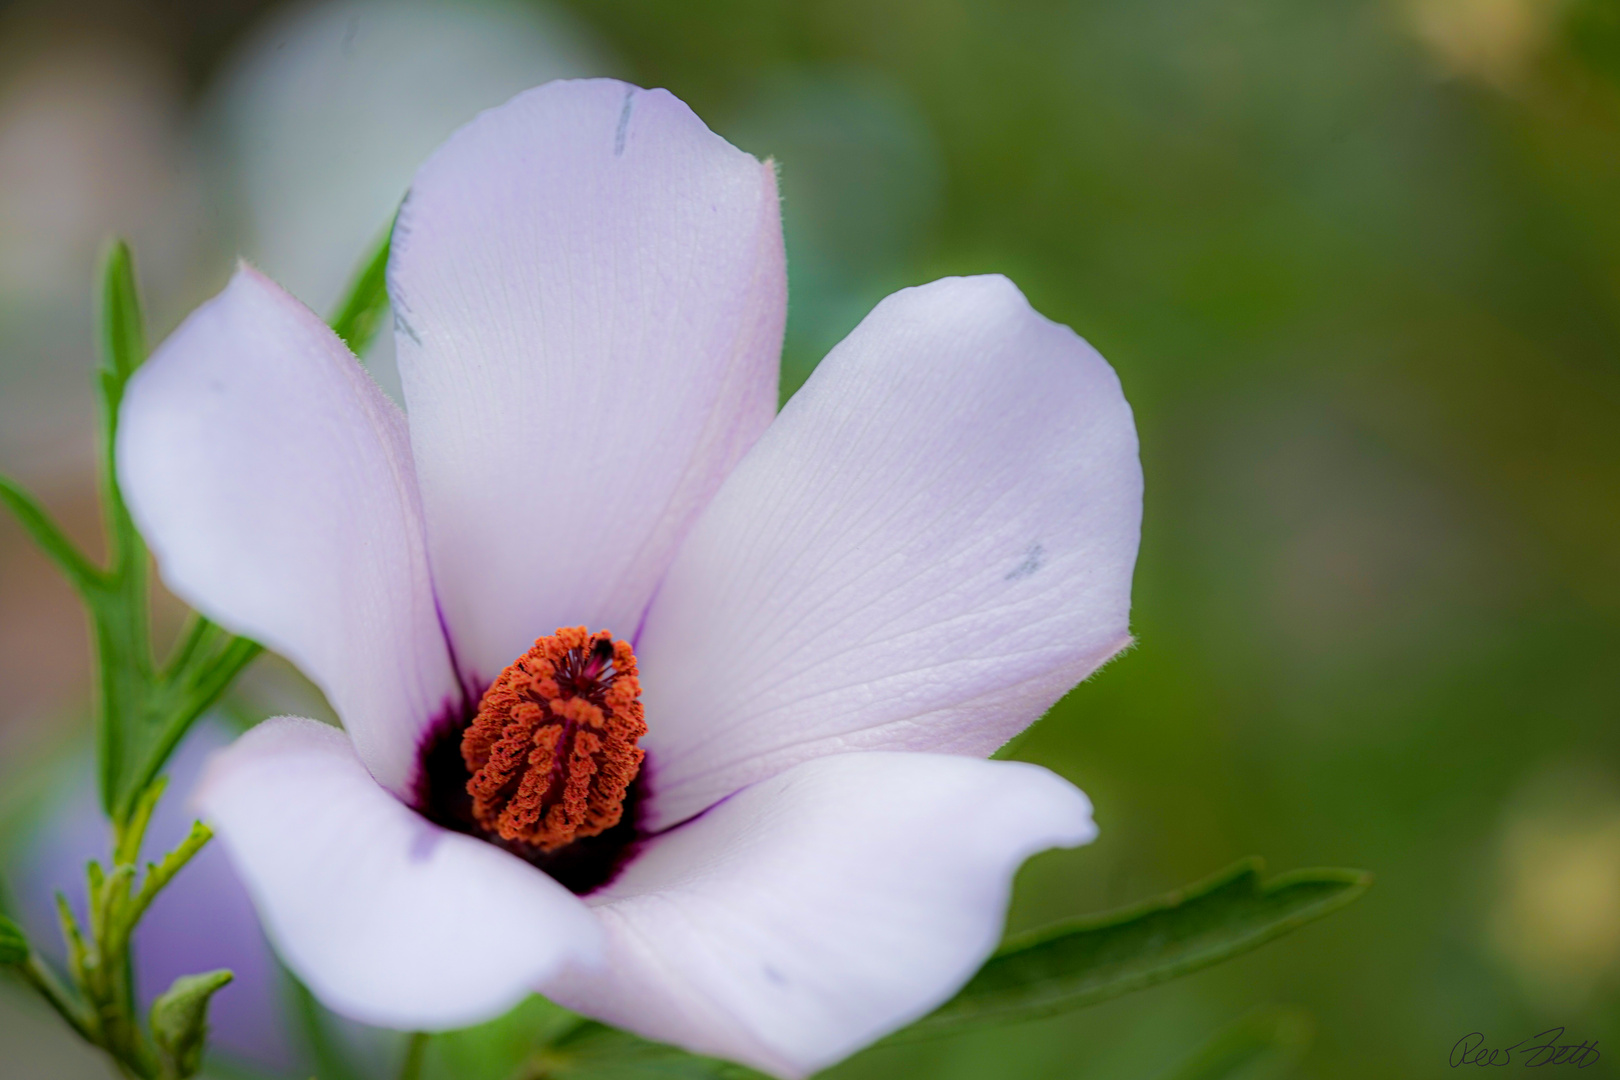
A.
pixel 929 547
pixel 814 912
pixel 589 295
pixel 274 482
pixel 388 918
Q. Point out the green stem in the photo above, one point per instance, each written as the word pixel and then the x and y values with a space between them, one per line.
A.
pixel 45 982
pixel 127 840
pixel 126 673
pixel 415 1053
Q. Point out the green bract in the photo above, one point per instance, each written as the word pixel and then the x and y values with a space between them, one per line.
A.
pixel 180 1021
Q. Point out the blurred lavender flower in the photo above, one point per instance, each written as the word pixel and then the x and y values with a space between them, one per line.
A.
pixel 202 921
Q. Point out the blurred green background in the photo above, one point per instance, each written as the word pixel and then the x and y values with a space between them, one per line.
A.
pixel 1357 263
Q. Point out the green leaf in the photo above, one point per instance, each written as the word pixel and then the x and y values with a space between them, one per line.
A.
pixel 119 609
pixel 159 875
pixel 123 331
pixel 13 944
pixel 73 938
pixel 206 661
pixel 15 953
pixel 1094 958
pixel 1267 1044
pixel 123 350
pixel 361 312
pixel 51 539
pixel 180 1019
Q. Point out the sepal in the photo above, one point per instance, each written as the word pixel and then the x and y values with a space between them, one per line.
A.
pixel 360 315
pixel 180 1021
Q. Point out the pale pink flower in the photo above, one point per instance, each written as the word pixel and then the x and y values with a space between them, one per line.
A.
pixel 838 612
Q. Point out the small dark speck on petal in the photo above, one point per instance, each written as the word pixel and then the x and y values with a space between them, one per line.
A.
pixel 624 121
pixel 775 976
pixel 1034 558
pixel 403 327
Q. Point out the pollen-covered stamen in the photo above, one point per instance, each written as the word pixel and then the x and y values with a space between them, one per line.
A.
pixel 553 750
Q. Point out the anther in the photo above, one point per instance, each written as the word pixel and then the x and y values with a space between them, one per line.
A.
pixel 553 750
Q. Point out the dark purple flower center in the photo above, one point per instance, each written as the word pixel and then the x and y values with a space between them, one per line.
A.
pixel 547 765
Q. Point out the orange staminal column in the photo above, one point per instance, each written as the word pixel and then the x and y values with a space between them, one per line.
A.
pixel 553 750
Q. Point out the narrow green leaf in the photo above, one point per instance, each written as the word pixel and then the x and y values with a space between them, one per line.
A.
pixel 51 539
pixel 123 330
pixel 1267 1044
pixel 73 938
pixel 123 350
pixel 236 655
pixel 96 879
pixel 1094 958
pixel 188 689
pixel 161 874
pixel 47 985
pixel 13 943
pixel 180 1020
pixel 360 314
pixel 198 637
pixel 122 629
